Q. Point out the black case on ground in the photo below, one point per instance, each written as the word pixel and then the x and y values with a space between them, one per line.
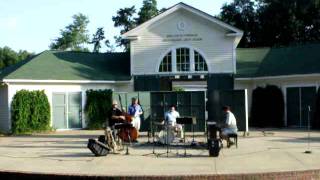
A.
pixel 214 147
pixel 97 148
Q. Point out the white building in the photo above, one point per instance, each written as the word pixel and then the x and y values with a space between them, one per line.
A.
pixel 181 47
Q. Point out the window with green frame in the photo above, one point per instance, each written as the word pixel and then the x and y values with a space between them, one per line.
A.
pixel 166 64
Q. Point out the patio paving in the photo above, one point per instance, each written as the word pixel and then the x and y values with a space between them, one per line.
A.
pixel 65 152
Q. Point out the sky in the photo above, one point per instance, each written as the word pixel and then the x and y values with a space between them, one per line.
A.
pixel 33 24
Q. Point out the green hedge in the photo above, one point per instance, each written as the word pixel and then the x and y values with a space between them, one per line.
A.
pixel 30 112
pixel 267 108
pixel 97 106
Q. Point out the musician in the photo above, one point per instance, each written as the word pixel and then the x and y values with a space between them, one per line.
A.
pixel 115 115
pixel 135 111
pixel 170 119
pixel 230 126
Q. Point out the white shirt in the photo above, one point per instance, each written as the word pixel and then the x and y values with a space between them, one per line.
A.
pixel 171 117
pixel 231 120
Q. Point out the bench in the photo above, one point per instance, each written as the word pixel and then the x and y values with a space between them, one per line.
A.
pixel 235 138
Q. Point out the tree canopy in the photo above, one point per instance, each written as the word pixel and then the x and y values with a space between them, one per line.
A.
pixel 274 22
pixel 125 19
pixel 74 36
pixel 9 57
pixel 97 37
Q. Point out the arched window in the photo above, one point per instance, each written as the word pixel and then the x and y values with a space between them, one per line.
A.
pixel 199 63
pixel 166 64
pixel 185 60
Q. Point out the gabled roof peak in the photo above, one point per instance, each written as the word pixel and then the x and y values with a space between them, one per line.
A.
pixel 135 32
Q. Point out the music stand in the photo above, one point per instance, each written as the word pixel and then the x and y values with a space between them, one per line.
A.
pixel 184 121
pixel 153 124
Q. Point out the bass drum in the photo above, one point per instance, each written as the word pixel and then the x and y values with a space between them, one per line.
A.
pixel 165 137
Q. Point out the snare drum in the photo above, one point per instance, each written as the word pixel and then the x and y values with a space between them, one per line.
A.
pixel 166 136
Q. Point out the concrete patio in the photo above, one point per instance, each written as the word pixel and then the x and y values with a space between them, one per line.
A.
pixel 66 153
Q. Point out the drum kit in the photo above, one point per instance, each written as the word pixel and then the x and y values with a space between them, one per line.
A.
pixel 124 134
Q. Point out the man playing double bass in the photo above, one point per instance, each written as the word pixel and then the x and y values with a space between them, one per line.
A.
pixel 115 114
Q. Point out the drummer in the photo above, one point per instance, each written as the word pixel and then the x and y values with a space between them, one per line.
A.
pixel 170 118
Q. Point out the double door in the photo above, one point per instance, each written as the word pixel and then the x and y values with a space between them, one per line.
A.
pixel 298 100
pixel 67 110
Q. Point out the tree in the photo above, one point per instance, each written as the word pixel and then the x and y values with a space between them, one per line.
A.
pixel 290 21
pixel 124 19
pixel 274 22
pixel 110 47
pixel 147 11
pixel 241 14
pixel 97 37
pixel 9 57
pixel 74 36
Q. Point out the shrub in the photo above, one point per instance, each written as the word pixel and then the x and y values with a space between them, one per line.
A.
pixel 267 109
pixel 30 112
pixel 97 107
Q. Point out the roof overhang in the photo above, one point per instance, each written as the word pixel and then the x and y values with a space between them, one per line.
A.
pixel 64 81
pixel 293 76
pixel 134 33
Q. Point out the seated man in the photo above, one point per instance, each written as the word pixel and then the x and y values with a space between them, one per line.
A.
pixel 230 126
pixel 115 114
pixel 170 118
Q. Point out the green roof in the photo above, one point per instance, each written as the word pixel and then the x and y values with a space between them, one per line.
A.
pixel 260 62
pixel 68 65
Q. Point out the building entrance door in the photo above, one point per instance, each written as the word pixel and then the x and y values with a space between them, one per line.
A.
pixel 66 110
pixel 298 100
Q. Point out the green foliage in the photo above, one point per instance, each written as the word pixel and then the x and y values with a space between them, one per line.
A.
pixel 178 89
pixel 30 112
pixel 97 37
pixel 74 36
pixel 147 11
pixel 274 22
pixel 267 108
pixel 9 57
pixel 125 20
pixel 97 107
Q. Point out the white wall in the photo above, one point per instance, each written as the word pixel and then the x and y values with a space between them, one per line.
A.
pixel 50 88
pixel 282 82
pixel 152 45
pixel 4 109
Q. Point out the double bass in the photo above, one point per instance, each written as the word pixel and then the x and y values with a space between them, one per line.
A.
pixel 127 133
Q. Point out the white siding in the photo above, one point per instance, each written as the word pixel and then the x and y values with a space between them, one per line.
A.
pixel 50 88
pixel 281 82
pixel 4 109
pixel 215 46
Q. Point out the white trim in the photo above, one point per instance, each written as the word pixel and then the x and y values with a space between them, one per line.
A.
pixel 62 81
pixel 135 31
pixel 279 77
pixel 234 58
pixel 246 109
